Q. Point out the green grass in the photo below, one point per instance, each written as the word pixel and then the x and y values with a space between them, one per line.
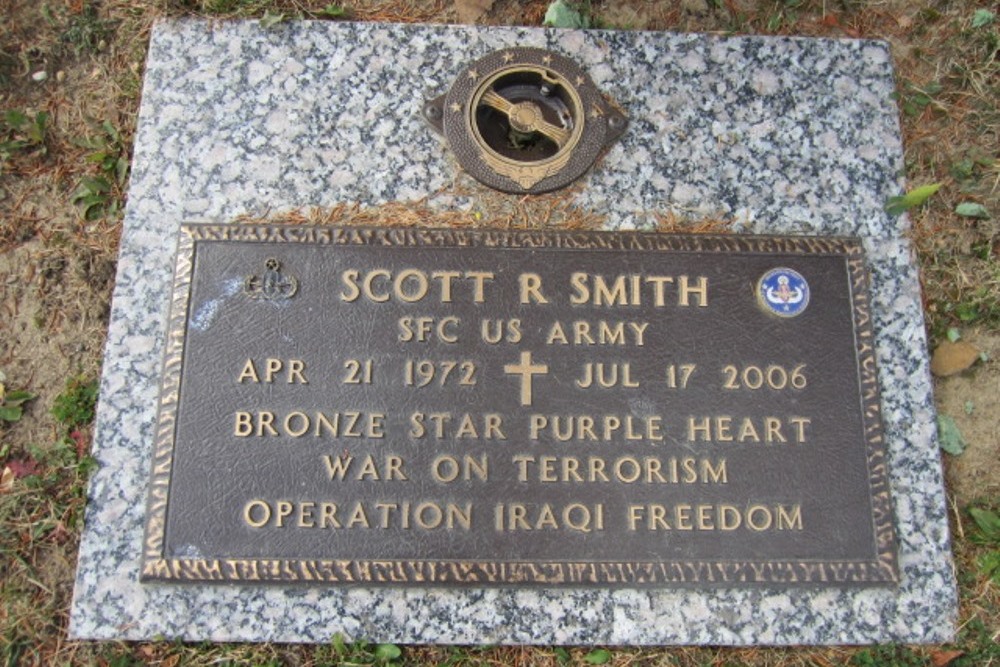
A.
pixel 888 656
pixel 86 31
pixel 75 406
pixel 22 133
pixel 101 194
pixel 40 520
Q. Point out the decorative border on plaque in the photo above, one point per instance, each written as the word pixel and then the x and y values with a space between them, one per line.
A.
pixel 882 570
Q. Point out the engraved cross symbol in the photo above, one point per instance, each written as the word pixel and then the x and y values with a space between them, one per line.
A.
pixel 527 370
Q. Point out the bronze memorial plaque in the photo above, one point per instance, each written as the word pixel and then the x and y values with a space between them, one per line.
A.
pixel 425 406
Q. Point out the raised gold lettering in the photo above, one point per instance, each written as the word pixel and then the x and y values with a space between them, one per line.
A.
pixel 605 376
pixel 446 468
pixel 573 516
pixel 444 425
pixel 709 517
pixel 249 372
pixel 297 423
pixel 410 285
pixel 494 331
pixel 686 290
pixel 446 277
pixel 636 290
pixel 564 428
pixel 256 513
pixel 531 288
pixel 339 467
pixel 310 514
pixel 272 367
pixel 623 469
pixel 768 429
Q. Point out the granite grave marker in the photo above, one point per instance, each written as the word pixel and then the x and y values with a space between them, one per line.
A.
pixel 783 136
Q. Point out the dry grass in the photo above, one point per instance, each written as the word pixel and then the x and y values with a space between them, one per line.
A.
pixel 949 90
pixel 493 210
pixel 671 222
pixel 92 53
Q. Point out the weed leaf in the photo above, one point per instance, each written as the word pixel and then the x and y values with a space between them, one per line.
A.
pixel 121 171
pixel 598 656
pixel 333 12
pixel 989 563
pixel 36 130
pixel 944 658
pixel 912 199
pixel 10 413
pixel 269 20
pixel 561 14
pixel 110 130
pixel 15 118
pixel 983 17
pixel 949 435
pixel 95 185
pixel 19 132
pixel 988 522
pixel 24 468
pixel 968 209
pixel 17 397
pixel 387 652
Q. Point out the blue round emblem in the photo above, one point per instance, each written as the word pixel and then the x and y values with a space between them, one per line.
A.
pixel 783 292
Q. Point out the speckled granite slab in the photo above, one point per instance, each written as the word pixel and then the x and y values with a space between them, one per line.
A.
pixel 789 136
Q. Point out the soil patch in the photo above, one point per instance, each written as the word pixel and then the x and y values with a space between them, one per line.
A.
pixel 972 399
